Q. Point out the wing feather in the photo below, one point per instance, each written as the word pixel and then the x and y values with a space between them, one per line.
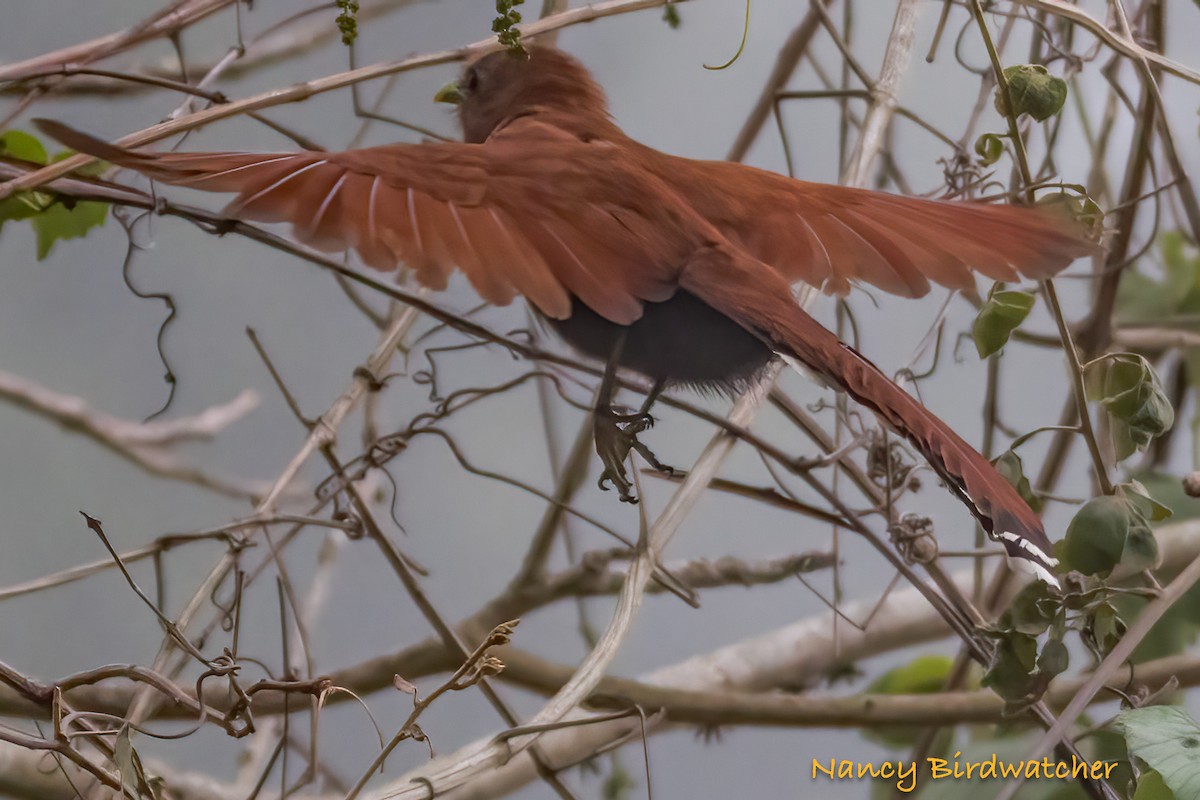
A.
pixel 536 211
pixel 832 236
pixel 498 214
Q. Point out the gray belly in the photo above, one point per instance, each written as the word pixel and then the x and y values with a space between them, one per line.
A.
pixel 679 341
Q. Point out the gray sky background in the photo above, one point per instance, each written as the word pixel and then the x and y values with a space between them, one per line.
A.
pixel 70 324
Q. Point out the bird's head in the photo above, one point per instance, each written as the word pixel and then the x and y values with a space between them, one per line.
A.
pixel 502 84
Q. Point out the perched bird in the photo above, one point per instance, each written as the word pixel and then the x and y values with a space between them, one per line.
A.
pixel 677 269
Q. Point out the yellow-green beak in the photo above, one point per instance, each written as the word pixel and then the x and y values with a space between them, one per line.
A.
pixel 450 93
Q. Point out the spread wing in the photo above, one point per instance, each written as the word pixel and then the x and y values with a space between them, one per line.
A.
pixel 832 236
pixel 532 212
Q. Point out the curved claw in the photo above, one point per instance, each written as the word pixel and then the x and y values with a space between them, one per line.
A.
pixel 615 435
pixel 621 482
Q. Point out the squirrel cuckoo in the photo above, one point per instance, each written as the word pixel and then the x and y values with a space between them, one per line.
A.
pixel 680 270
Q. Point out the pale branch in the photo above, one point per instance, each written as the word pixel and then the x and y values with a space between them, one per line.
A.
pixel 74 413
pixel 144 444
pixel 786 61
pixel 772 709
pixel 801 653
pixel 593 577
pixel 173 18
pixel 798 655
pixel 303 91
pixel 323 432
pixel 1118 42
pixel 1154 339
pixel 164 544
pixel 870 710
pixel 295 35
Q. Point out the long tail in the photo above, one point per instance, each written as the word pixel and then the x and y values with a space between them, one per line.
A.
pixel 759 299
pixel 738 287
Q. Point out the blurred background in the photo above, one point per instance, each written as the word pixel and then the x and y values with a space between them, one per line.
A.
pixel 71 324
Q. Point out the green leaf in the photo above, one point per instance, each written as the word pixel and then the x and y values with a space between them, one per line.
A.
pixel 52 220
pixel 1176 631
pixel 1146 505
pixel 1169 490
pixel 60 222
pixel 618 785
pixel 1181 265
pixel 18 144
pixel 1173 301
pixel 1095 537
pixel 504 25
pixel 1150 786
pixel 1031 610
pixel 1033 91
pixel 1012 469
pixel 1106 627
pixel 1167 739
pixel 128 764
pixel 1077 206
pixel 24 205
pixel 1108 744
pixel 347 20
pixel 999 317
pixel 989 147
pixel 1144 300
pixel 1128 388
pixel 1054 658
pixel 922 675
pixel 1012 672
pixel 1106 532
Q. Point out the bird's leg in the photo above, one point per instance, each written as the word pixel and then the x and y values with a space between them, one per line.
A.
pixel 640 420
pixel 616 433
pixel 612 443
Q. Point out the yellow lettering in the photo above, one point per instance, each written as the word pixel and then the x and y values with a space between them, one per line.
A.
pixel 818 768
pixel 937 768
pixel 1010 770
pixel 1108 768
pixel 908 773
pixel 845 769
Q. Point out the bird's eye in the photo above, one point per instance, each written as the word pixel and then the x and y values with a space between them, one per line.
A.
pixel 471 80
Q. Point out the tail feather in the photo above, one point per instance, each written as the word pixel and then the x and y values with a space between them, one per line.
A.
pixel 750 292
pixel 736 286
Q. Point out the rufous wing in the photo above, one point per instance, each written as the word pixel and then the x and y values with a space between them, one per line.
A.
pixel 434 207
pixel 834 236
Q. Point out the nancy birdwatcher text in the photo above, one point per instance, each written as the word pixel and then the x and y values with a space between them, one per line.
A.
pixel 905 773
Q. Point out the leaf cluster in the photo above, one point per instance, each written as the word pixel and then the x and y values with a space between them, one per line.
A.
pixel 52 218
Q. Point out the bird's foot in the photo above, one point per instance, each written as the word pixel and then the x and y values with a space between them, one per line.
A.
pixel 635 422
pixel 616 434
